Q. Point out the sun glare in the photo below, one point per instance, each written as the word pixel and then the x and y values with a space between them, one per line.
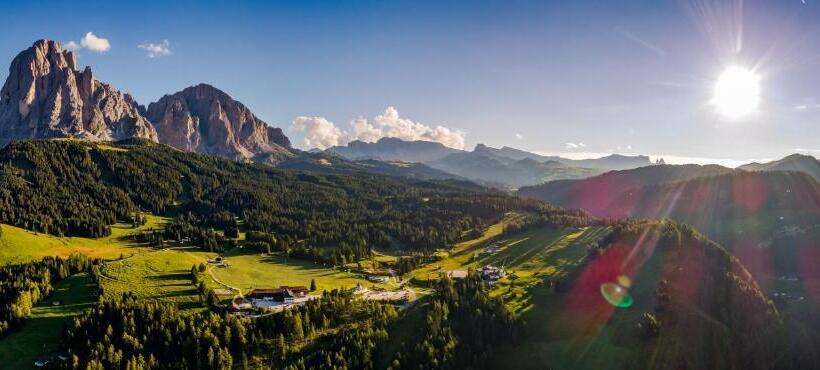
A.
pixel 737 92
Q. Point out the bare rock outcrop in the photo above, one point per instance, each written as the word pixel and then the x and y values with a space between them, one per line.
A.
pixel 204 119
pixel 45 96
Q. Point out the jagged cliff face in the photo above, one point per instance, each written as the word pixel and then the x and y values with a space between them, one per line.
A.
pixel 45 96
pixel 204 119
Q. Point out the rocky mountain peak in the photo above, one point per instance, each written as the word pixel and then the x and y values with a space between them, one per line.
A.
pixel 205 119
pixel 45 96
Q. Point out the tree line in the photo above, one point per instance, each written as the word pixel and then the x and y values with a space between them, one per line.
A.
pixel 77 188
pixel 23 285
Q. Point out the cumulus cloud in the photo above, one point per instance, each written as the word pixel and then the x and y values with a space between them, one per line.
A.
pixel 519 136
pixel 575 145
pixel 364 131
pixel 391 124
pixel 95 43
pixel 156 50
pixel 72 45
pixel 319 132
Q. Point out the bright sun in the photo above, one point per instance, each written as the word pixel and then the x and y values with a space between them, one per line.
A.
pixel 737 92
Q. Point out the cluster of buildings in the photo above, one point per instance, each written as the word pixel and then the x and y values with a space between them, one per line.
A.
pixel 491 273
pixel 787 297
pixel 275 299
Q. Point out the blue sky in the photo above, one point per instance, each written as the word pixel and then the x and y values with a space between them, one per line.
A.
pixel 629 77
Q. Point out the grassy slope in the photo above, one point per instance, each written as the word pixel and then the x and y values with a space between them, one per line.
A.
pixel 20 245
pixel 165 274
pixel 534 256
pixel 41 333
pixel 253 270
pixel 160 275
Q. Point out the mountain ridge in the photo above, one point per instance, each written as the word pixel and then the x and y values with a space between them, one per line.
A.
pixel 45 96
pixel 505 167
pixel 794 162
pixel 204 119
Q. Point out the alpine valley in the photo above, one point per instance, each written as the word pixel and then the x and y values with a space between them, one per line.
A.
pixel 191 234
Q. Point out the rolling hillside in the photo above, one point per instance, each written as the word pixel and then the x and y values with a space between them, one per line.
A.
pixel 597 193
pixel 794 162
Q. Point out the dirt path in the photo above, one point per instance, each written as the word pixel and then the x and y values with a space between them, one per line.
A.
pixel 220 282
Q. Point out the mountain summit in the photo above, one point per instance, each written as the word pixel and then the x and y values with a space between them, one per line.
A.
pixel 204 119
pixel 45 96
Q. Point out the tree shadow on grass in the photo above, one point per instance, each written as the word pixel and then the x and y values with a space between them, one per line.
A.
pixel 171 276
pixel 177 293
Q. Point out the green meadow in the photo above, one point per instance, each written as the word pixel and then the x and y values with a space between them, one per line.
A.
pixel 248 270
pixel 41 332
pixel 21 245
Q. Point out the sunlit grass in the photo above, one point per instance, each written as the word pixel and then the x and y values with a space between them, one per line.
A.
pixel 20 245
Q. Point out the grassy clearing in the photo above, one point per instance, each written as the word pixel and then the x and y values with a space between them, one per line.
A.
pixel 41 333
pixel 20 245
pixel 159 275
pixel 461 255
pixel 532 256
pixel 536 255
pixel 165 275
pixel 250 270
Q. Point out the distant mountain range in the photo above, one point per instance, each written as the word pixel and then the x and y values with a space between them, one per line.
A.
pixel 794 162
pixel 504 167
pixel 742 209
pixel 597 193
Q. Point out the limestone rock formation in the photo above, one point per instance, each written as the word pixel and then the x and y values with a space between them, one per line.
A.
pixel 45 96
pixel 204 119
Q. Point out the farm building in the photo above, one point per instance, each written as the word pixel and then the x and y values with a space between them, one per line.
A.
pixel 491 273
pixel 283 294
pixel 240 304
pixel 378 279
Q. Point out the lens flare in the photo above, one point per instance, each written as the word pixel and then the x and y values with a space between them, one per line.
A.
pixel 616 295
pixel 624 281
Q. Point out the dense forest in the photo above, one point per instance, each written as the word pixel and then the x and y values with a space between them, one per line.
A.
pixel 460 327
pixel 78 188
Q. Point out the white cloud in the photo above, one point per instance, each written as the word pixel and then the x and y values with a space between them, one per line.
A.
pixel 156 50
pixel 575 145
pixel 95 43
pixel 519 136
pixel 801 107
pixel 319 132
pixel 365 131
pixel 72 45
pixel 391 124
